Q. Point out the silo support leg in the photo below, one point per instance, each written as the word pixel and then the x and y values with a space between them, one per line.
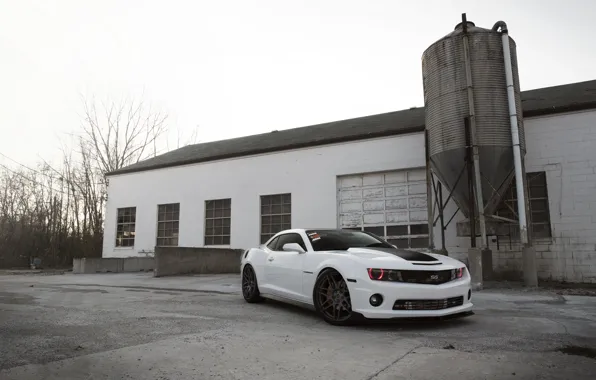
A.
pixel 475 268
pixel 487 264
pixel 529 266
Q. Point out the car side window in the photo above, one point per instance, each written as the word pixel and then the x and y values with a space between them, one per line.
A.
pixel 273 245
pixel 290 238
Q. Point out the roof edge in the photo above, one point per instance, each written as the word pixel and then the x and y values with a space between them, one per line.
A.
pixel 281 148
pixel 544 111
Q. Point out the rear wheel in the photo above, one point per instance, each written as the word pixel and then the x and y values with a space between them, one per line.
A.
pixel 332 298
pixel 250 288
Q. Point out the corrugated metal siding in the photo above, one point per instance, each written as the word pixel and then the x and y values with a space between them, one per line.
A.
pixel 390 204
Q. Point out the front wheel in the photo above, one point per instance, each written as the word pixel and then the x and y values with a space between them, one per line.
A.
pixel 250 288
pixel 332 298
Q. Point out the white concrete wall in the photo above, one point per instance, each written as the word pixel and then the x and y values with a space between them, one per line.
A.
pixel 309 174
pixel 564 146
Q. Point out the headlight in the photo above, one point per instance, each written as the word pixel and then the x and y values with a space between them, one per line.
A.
pixel 379 274
pixel 415 276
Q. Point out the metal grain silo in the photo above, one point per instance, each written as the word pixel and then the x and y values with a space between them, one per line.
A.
pixel 474 115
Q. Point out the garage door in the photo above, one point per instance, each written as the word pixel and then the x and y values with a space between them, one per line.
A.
pixel 390 204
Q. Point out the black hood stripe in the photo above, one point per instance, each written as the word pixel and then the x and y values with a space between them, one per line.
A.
pixel 406 255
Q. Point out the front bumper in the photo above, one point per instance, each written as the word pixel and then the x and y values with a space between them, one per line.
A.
pixel 361 291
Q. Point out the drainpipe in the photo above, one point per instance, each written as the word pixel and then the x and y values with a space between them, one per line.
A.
pixel 521 199
pixel 474 138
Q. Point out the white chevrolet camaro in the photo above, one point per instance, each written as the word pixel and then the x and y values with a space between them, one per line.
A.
pixel 346 275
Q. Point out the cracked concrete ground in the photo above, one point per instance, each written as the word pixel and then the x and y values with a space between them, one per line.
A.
pixel 134 326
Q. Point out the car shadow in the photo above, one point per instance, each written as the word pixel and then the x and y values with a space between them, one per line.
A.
pixel 402 324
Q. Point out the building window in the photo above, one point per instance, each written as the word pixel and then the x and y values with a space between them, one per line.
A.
pixel 125 227
pixel 391 205
pixel 402 236
pixel 538 198
pixel 217 221
pixel 168 224
pixel 408 236
pixel 276 214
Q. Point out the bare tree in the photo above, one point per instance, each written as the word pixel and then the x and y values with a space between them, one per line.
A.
pixel 121 134
pixel 56 212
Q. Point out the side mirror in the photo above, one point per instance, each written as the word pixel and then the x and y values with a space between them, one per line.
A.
pixel 293 247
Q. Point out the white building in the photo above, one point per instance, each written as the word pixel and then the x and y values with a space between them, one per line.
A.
pixel 366 173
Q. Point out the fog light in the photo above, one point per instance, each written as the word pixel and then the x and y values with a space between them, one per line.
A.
pixel 469 294
pixel 376 300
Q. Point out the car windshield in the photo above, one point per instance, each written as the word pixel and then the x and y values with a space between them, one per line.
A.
pixel 332 240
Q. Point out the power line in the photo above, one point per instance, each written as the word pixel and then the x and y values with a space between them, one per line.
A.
pixel 35 182
pixel 18 163
pixel 59 177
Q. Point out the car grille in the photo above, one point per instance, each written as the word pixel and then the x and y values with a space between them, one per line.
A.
pixel 426 276
pixel 428 304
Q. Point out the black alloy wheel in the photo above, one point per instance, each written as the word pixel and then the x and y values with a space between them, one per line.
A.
pixel 250 289
pixel 332 298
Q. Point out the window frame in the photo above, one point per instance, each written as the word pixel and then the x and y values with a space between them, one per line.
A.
pixel 226 238
pixel 132 221
pixel 175 231
pixel 285 217
pixel 509 202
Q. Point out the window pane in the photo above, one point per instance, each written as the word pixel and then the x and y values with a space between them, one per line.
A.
pixel 540 217
pixel 419 229
pixel 265 209
pixel 379 231
pixel 537 192
pixel 397 230
pixel 399 243
pixel 418 242
pixel 538 205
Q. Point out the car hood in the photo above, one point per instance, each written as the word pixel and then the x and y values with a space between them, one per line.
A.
pixel 402 258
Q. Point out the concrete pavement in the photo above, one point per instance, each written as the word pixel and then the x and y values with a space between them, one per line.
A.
pixel 134 326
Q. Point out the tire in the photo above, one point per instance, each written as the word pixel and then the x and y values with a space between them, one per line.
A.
pixel 250 287
pixel 331 298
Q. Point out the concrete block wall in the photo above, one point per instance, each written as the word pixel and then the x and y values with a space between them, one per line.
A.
pixel 564 147
pixel 112 265
pixel 171 261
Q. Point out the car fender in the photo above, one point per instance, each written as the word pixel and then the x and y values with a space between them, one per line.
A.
pixel 345 265
pixel 256 257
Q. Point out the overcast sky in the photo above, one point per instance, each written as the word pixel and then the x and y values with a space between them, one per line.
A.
pixel 239 67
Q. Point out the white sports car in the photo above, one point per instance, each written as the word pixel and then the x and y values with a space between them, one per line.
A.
pixel 346 274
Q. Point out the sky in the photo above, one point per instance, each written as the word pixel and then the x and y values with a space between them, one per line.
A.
pixel 231 68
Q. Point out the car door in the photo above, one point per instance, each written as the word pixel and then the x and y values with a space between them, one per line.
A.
pixel 287 266
pixel 270 273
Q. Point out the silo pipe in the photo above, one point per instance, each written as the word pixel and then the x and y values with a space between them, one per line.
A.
pixel 474 138
pixel 517 160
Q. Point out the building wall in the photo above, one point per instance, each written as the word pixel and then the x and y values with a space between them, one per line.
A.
pixel 563 146
pixel 310 175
